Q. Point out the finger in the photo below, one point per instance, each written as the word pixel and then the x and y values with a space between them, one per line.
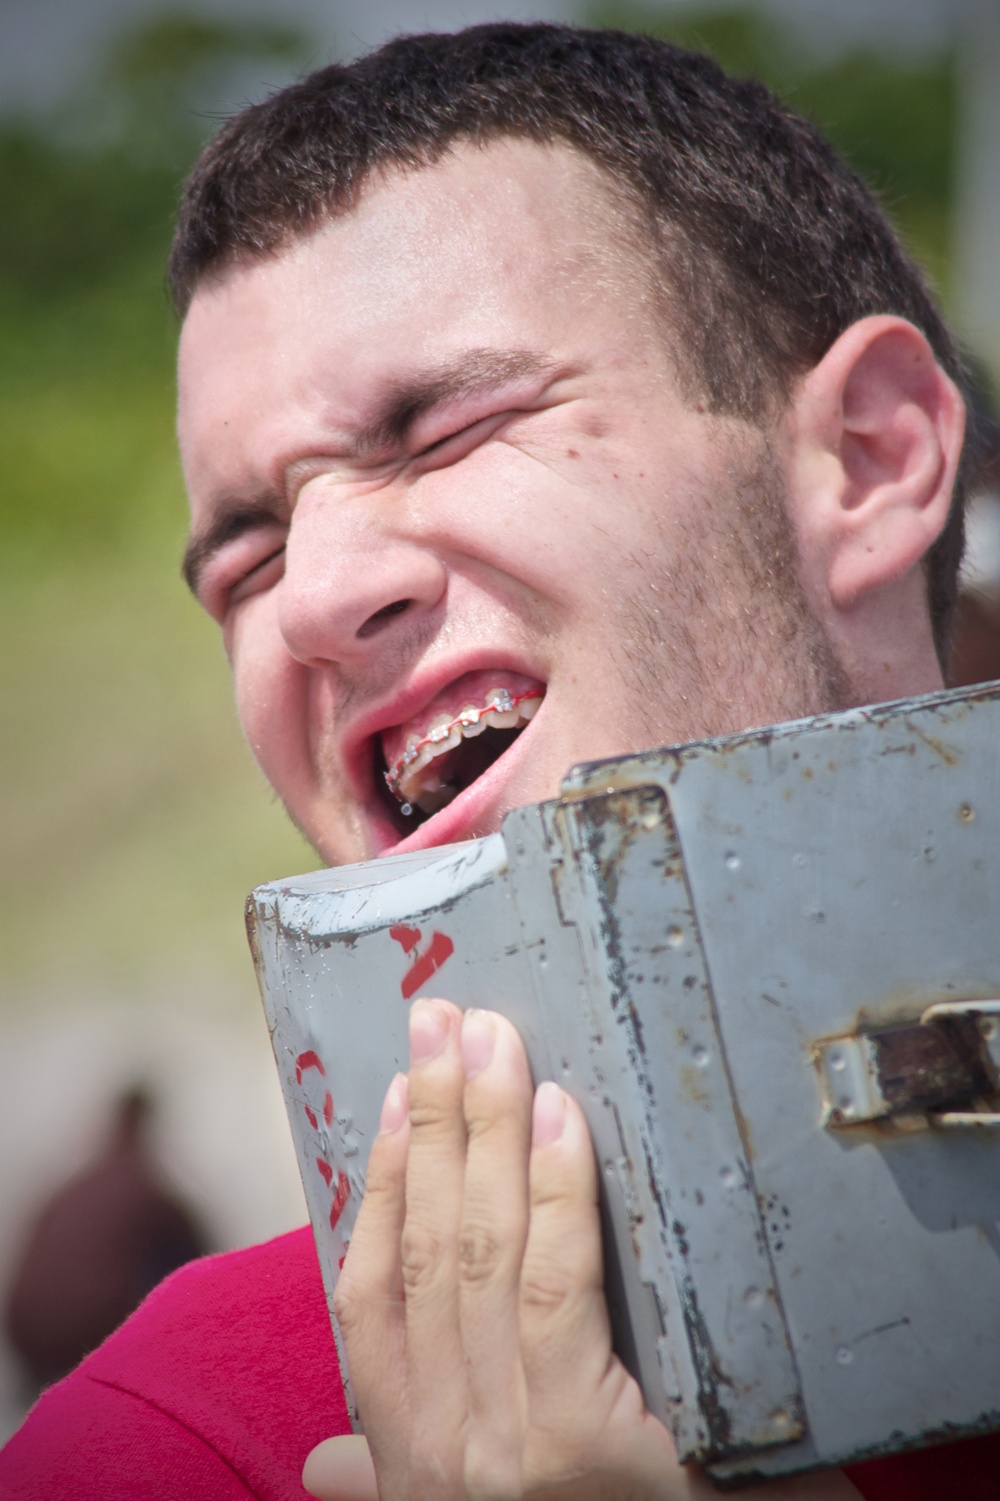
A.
pixel 492 1239
pixel 434 1177
pixel 587 1412
pixel 565 1332
pixel 368 1300
pixel 341 1469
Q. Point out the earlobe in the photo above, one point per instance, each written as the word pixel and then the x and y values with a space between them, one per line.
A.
pixel 878 431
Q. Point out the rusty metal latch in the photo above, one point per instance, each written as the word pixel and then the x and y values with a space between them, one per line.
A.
pixel 945 1066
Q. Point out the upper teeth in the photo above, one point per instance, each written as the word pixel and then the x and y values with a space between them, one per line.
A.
pixel 501 711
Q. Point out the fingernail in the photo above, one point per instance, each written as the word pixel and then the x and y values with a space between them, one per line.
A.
pixel 395 1106
pixel 548 1115
pixel 479 1036
pixel 428 1031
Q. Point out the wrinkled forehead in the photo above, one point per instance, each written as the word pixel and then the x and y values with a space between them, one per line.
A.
pixel 508 198
pixel 512 245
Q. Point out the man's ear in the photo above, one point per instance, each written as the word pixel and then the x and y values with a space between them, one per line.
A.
pixel 876 429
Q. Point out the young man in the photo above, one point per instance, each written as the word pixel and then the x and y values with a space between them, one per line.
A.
pixel 542 363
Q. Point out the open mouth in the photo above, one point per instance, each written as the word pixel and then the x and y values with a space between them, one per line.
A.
pixel 458 736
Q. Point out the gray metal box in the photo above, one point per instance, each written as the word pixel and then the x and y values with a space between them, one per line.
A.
pixel 766 966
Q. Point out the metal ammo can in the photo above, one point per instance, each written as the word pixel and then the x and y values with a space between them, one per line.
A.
pixel 767 966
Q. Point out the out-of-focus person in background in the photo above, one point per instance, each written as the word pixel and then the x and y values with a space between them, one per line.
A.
pixel 97 1247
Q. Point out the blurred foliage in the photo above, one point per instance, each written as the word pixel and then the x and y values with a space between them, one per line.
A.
pixel 86 200
pixel 134 820
pixel 86 335
pixel 894 120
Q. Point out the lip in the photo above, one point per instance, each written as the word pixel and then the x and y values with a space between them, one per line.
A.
pixel 470 809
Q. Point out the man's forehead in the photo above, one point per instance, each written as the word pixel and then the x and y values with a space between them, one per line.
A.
pixel 569 206
pixel 461 247
pixel 493 255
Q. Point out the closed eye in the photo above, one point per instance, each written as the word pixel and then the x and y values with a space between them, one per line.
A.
pixel 250 565
pixel 455 446
pixel 261 576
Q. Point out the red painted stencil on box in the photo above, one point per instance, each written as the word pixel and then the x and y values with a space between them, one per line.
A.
pixel 426 961
pixel 340 1197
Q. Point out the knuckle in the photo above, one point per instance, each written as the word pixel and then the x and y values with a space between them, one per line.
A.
pixel 349 1304
pixel 382 1185
pixel 491 1115
pixel 480 1253
pixel 420 1256
pixel 546 1286
pixel 432 1116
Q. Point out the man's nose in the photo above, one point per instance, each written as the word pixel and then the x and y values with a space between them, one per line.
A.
pixel 352 580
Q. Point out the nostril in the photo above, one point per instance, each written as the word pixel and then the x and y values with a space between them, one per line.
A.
pixel 375 622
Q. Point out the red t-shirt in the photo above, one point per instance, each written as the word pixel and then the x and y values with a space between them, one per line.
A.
pixel 220 1384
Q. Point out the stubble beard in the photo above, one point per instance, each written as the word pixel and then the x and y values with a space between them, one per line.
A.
pixel 725 640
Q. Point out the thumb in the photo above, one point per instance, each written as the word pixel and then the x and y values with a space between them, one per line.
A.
pixel 341 1469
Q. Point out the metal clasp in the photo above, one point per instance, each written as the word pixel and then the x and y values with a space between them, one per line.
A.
pixel 988 1014
pixel 932 1067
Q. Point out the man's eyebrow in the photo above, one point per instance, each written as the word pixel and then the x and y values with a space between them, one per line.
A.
pixel 477 370
pixel 233 520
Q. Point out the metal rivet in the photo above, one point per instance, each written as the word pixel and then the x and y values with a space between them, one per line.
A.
pixel 966 813
pixel 675 938
pixel 845 1356
pixel 700 1056
pixel 732 861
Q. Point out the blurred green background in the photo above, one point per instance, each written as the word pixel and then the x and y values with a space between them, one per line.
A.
pixel 135 821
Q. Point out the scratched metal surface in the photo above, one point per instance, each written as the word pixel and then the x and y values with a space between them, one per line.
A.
pixel 611 996
pixel 672 939
pixel 847 871
pixel 336 983
pixel 734 1382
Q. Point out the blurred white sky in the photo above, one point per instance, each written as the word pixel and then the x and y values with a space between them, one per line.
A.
pixel 47 45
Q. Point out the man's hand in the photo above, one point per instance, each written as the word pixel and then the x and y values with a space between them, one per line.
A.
pixel 471 1302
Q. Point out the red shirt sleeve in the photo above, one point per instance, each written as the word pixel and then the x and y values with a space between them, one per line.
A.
pixel 226 1377
pixel 92 1441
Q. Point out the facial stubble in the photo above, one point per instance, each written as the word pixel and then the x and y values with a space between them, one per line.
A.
pixel 722 639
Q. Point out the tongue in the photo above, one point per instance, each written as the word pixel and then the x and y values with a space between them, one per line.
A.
pixel 471 688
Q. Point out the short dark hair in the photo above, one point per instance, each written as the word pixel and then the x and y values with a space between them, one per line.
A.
pixel 768 246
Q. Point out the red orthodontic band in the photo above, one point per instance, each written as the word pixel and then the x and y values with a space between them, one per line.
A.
pixel 394 775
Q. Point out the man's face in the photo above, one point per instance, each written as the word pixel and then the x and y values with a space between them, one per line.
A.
pixel 455 518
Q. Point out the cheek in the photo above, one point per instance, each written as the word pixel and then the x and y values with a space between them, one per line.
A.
pixel 268 693
pixel 545 526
